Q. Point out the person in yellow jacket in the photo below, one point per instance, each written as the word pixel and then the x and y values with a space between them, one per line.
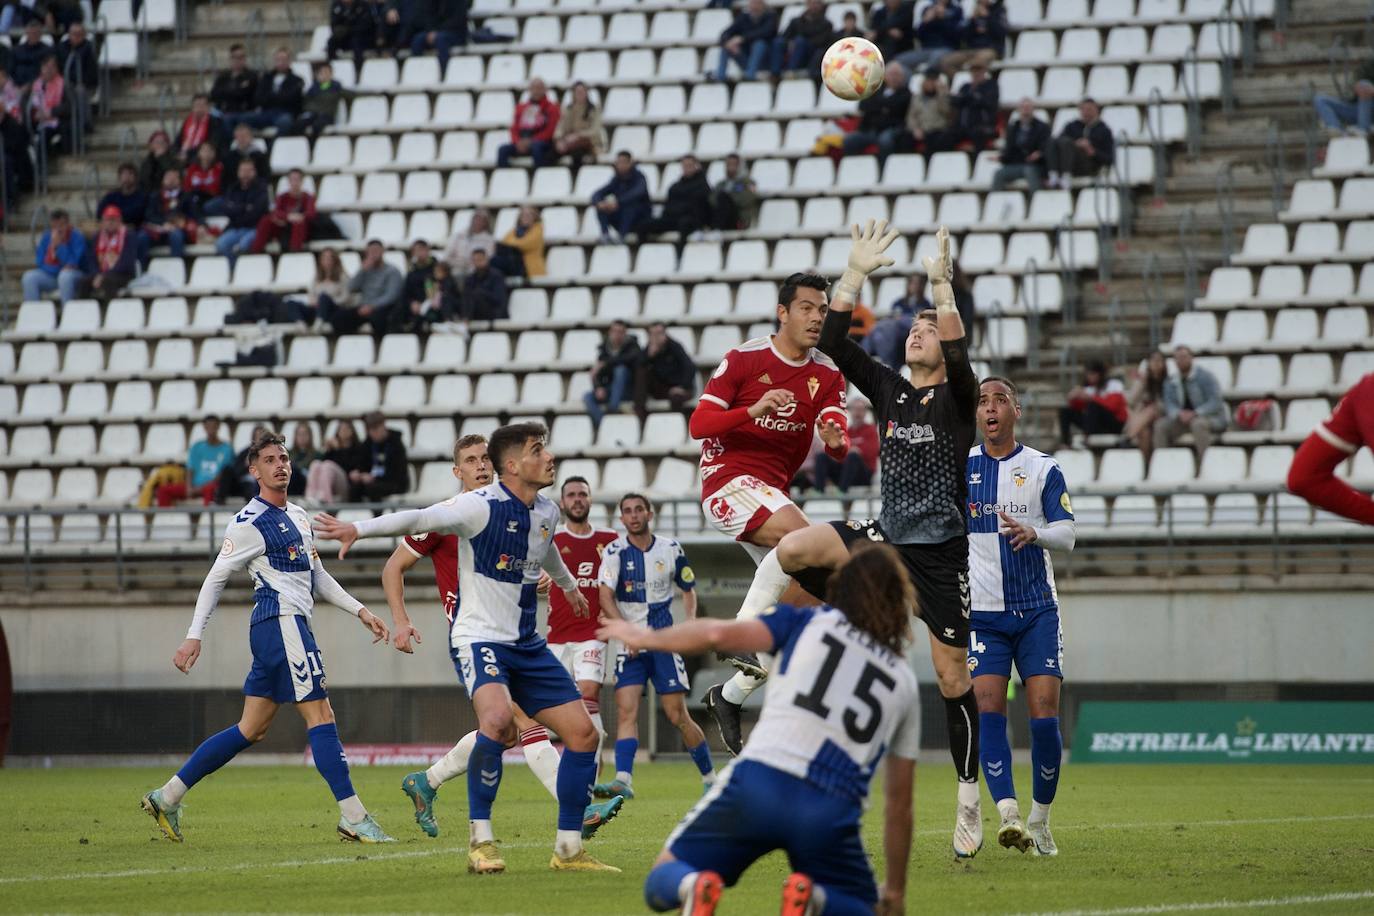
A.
pixel 521 252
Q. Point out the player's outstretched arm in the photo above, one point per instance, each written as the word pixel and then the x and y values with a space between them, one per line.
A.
pixel 1312 476
pixel 458 515
pixel 865 256
pixel 953 334
pixel 394 587
pixel 693 637
pixel 898 821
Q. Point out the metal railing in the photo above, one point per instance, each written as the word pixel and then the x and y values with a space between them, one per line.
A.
pixel 1187 247
pixel 1226 210
pixel 38 143
pixel 1275 154
pixel 1117 335
pixel 1192 91
pixel 167 103
pixel 1032 318
pixel 1154 127
pixel 91 188
pixel 74 76
pixel 1152 284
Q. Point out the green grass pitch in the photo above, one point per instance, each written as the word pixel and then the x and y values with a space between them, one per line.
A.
pixel 1133 839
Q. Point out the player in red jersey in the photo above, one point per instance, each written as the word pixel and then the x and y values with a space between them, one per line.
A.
pixel 472 467
pixel 572 636
pixel 756 420
pixel 1350 426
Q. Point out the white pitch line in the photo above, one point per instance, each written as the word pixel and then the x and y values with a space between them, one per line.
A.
pixel 454 850
pixel 1344 897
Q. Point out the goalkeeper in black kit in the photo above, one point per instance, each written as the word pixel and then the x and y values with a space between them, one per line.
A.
pixel 926 428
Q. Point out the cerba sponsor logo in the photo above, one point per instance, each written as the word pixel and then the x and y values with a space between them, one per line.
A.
pixel 506 562
pixel 912 433
pixel 977 509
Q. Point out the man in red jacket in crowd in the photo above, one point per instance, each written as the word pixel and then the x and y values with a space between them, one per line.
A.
pixel 290 217
pixel 1098 405
pixel 531 132
pixel 859 466
pixel 1350 426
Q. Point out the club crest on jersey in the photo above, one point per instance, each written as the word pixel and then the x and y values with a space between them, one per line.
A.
pixel 544 532
pixel 765 379
pixel 1018 475
pixel 813 385
pixel 565 549
pixel 658 566
pixel 925 399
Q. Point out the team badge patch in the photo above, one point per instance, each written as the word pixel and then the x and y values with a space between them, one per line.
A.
pixel 813 385
pixel 658 566
pixel 227 547
pixel 1018 475
pixel 492 670
pixel 925 399
pixel 1063 501
pixel 687 575
pixel 544 532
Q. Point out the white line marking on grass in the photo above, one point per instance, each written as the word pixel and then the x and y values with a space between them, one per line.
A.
pixel 1239 822
pixel 1344 897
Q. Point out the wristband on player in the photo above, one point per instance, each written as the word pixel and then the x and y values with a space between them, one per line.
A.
pixel 848 286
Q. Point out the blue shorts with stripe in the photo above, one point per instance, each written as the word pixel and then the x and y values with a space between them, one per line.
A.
pixel 1033 639
pixel 287 665
pixel 665 669
pixel 534 676
pixel 754 809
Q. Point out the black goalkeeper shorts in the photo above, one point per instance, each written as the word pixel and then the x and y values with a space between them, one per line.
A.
pixel 938 571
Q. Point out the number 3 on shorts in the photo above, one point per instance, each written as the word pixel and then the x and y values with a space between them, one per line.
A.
pixel 488 655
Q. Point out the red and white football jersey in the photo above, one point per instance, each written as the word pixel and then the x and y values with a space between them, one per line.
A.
pixel 582 555
pixel 442 550
pixel 1352 422
pixel 770 448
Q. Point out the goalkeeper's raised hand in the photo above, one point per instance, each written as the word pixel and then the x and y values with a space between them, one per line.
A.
pixel 865 256
pixel 940 271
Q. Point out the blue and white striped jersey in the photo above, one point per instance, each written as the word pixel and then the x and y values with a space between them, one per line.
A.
pixel 503 544
pixel 836 701
pixel 277 546
pixel 1029 487
pixel 643 580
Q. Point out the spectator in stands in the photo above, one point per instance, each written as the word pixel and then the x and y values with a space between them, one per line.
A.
pixel 458 254
pixel 860 464
pixel 158 160
pixel 1085 147
pixel 28 56
pixel 687 207
pixel 579 133
pixel 982 38
pixel 170 216
pixel 521 252
pixel 76 58
pixel 392 24
pixel 803 43
pixel 278 97
pixel 1145 402
pixel 49 107
pixel 18 13
pixel 11 95
pixel 1352 115
pixel 748 40
pixel 205 462
pixel 1097 406
pixel 246 146
pixel 350 29
pixel 939 28
pixel 849 27
pixel 128 197
pixel 532 129
pixel 443 24
pixel 914 301
pixel 372 292
pixel 14 139
pixel 321 104
pixel 235 90
pixel 245 203
pixel 623 202
pixel 327 480
pixel 290 218
pixel 303 454
pixel 890 27
pixel 1192 403
pixel 116 256
pixel 331 285
pixel 420 276
pixel 613 372
pixel 59 261
pixel 736 201
pixel 200 127
pixel 388 470
pixel 484 291
pixel 930 118
pixel 666 371
pixel 431 294
pixel 976 104
pixel 883 117
pixel 205 181
pixel 1023 152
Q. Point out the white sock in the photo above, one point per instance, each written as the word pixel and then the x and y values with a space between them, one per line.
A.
pixel 600 728
pixel 739 687
pixel 1009 809
pixel 454 763
pixel 1039 813
pixel 968 793
pixel 174 791
pixel 684 889
pixel 624 777
pixel 543 760
pixel 769 583
pixel 480 832
pixel 352 809
pixel 568 843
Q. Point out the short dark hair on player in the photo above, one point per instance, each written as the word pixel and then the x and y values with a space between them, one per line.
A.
pixel 512 438
pixel 800 280
pixel 576 478
pixel 639 496
pixel 265 441
pixel 467 441
pixel 928 315
pixel 1011 386
pixel 874 591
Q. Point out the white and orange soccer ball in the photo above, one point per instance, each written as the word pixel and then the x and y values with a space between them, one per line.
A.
pixel 852 69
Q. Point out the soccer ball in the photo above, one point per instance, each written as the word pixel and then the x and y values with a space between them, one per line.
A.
pixel 852 69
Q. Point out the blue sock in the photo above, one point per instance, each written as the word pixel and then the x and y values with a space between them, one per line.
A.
pixel 661 887
pixel 625 750
pixel 701 756
pixel 330 760
pixel 484 777
pixel 213 753
pixel 576 773
pixel 1047 751
pixel 995 754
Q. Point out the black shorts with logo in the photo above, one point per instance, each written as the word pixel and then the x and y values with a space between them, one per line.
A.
pixel 939 572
